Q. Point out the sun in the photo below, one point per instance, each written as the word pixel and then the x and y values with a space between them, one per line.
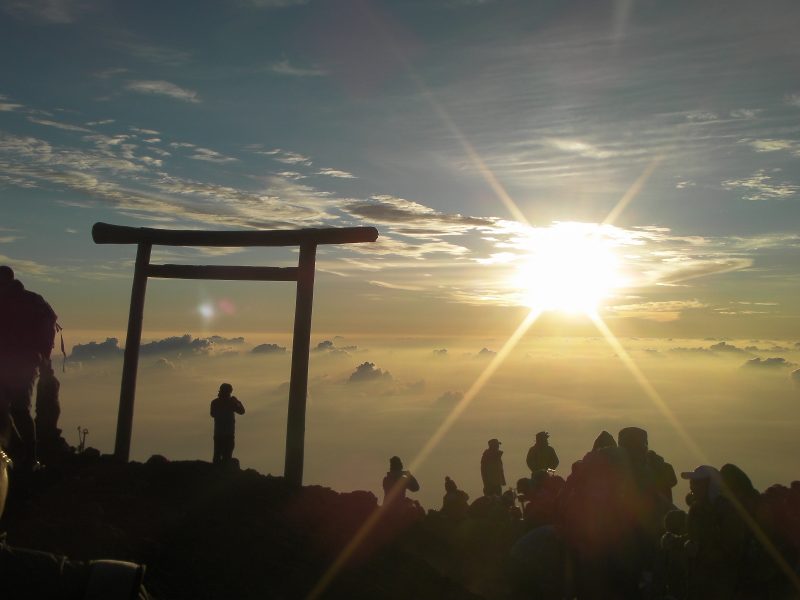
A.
pixel 568 267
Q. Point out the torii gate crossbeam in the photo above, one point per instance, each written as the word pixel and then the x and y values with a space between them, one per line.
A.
pixel 303 274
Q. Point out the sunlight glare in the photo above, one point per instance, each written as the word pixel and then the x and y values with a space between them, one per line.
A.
pixel 206 311
pixel 570 267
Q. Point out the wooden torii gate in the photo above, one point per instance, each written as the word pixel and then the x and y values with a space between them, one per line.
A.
pixel 303 274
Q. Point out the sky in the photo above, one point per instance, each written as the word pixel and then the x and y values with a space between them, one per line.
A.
pixel 622 170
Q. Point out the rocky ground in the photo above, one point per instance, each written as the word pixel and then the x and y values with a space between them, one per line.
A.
pixel 207 533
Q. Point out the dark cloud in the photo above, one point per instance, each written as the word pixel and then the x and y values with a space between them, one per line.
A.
pixel 269 349
pixel 449 398
pixel 716 349
pixel 366 371
pixel 440 352
pixel 218 339
pixel 417 218
pixel 177 345
pixel 329 347
pixel 485 352
pixel 164 364
pixel 769 363
pixel 726 347
pixel 96 350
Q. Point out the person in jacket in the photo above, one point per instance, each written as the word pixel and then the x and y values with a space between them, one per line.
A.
pixel 541 455
pixel 224 409
pixel 492 473
pixel 27 333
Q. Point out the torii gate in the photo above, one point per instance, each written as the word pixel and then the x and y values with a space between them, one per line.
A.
pixel 303 274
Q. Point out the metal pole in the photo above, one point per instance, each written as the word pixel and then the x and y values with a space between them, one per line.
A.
pixel 298 384
pixel 122 445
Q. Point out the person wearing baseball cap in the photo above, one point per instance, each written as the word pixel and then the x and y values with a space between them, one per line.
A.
pixel 492 472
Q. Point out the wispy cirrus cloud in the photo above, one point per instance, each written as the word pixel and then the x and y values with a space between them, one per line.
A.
pixel 336 173
pixel 273 3
pixel 283 67
pixel 209 155
pixel 286 157
pixel 55 12
pixel 6 106
pixel 761 186
pixel 409 217
pixel 58 125
pixel 152 53
pixel 579 147
pixel 163 88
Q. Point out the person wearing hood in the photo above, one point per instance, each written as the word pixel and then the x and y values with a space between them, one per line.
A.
pixel 604 440
pixel 541 455
pixel 717 537
pixel 492 472
pixel 455 503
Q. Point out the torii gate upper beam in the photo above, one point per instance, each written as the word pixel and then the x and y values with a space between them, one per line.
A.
pixel 303 274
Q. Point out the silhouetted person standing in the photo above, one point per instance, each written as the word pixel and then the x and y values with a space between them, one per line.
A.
pixel 27 332
pixel 541 455
pixel 224 409
pixel 494 478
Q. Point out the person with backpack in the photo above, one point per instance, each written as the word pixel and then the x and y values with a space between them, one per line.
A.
pixel 27 332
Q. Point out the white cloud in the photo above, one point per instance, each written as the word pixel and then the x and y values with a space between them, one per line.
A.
pixel 286 157
pixel 768 145
pixel 580 148
pixel 57 125
pixel 336 173
pixel 163 88
pixel 8 106
pixel 209 155
pixel 793 99
pixel 760 186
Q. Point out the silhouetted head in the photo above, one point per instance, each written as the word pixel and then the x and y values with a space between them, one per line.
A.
pixel 395 464
pixel 737 482
pixel 225 390
pixel 675 522
pixel 6 274
pixel 604 440
pixel 541 437
pixel 494 443
pixel 449 485
pixel 633 439
pixel 704 482
pixel 523 485
pixel 509 498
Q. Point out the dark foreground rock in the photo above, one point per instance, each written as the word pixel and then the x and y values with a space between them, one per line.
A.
pixel 207 533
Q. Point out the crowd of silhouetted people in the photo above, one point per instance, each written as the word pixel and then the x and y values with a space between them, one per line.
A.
pixel 611 530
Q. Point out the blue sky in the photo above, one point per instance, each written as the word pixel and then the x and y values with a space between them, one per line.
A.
pixel 461 129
